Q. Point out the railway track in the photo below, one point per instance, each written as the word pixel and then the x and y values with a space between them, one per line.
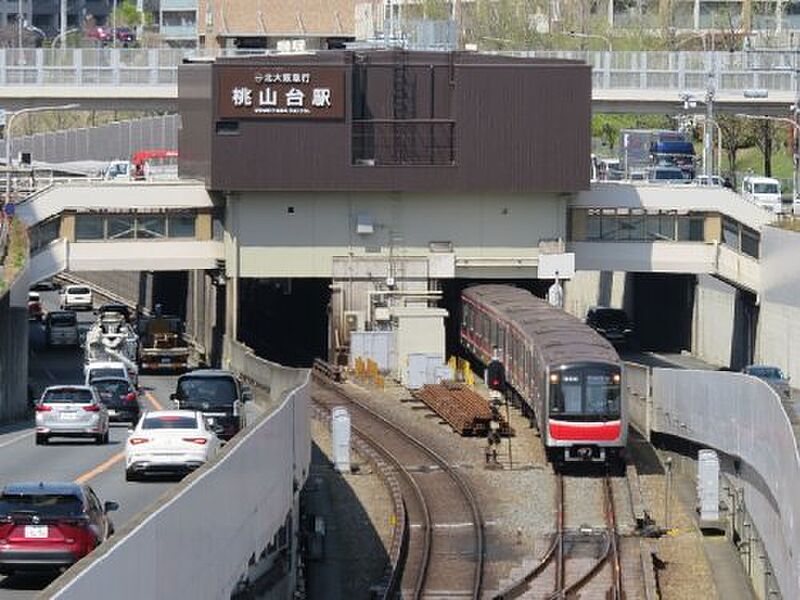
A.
pixel 580 562
pixel 444 540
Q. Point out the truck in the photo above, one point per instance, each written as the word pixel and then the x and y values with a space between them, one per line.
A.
pixel 162 344
pixel 112 339
pixel 644 149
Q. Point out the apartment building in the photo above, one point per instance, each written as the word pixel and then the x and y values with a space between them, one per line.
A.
pixel 45 14
pixel 177 22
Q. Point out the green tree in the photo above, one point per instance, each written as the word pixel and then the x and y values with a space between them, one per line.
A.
pixel 736 135
pixel 126 15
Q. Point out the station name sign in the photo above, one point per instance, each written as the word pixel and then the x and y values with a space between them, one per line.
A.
pixel 279 92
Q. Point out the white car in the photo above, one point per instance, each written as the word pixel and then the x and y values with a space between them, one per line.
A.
pixel 97 369
pixel 76 296
pixel 71 411
pixel 170 442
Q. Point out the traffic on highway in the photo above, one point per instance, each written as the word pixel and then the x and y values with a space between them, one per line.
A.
pixel 63 470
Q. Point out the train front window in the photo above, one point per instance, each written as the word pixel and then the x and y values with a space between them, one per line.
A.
pixel 585 394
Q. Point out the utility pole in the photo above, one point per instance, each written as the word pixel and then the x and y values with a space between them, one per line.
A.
pixel 19 24
pixel 708 132
pixel 63 24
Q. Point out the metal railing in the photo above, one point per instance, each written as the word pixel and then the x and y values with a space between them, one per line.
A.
pixel 774 71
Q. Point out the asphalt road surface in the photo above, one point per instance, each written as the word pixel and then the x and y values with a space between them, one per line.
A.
pixel 102 467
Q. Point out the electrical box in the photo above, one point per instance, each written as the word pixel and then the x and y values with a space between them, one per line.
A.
pixel 708 487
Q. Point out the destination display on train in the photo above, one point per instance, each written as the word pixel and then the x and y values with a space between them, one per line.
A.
pixel 272 92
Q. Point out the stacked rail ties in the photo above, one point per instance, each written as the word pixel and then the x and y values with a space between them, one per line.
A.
pixel 582 560
pixel 443 541
pixel 466 411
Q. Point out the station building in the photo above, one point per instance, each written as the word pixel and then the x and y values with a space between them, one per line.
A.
pixel 350 180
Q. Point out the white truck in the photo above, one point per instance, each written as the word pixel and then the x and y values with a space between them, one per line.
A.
pixel 764 192
pixel 111 338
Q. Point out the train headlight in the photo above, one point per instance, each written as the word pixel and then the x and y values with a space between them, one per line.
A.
pixel 615 378
pixel 553 377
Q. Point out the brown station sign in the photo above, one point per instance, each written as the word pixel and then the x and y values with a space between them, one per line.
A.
pixel 280 92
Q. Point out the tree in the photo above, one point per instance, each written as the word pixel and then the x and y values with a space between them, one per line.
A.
pixel 735 135
pixel 763 134
pixel 126 15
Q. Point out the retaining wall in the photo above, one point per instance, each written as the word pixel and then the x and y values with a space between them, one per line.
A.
pixel 13 357
pixel 713 320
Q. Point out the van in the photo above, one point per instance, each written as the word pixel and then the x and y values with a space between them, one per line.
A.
pixel 764 192
pixel 61 328
pixel 96 369
pixel 218 395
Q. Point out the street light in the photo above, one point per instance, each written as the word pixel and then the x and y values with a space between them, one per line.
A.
pixel 577 34
pixel 796 125
pixel 9 120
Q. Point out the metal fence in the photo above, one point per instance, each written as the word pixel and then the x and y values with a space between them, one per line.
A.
pixel 118 140
pixel 743 417
pixel 775 71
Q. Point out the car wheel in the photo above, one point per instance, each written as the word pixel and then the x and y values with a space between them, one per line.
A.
pixel 106 438
pixel 41 440
pixel 100 439
pixel 130 475
pixel 6 571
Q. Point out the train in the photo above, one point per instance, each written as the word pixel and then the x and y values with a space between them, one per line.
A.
pixel 567 378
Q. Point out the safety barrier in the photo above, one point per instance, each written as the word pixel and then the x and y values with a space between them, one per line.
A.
pixel 250 489
pixel 744 418
pixel 636 386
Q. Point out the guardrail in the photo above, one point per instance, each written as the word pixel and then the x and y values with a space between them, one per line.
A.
pixel 744 418
pixel 775 71
pixel 256 479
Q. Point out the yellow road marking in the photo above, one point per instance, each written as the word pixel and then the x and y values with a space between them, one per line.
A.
pixel 152 399
pixel 101 468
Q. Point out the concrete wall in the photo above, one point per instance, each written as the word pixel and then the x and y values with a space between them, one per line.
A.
pixel 713 320
pixel 13 357
pixel 595 288
pixel 299 234
pixel 778 341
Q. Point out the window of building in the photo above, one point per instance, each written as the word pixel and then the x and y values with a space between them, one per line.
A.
pixel 690 229
pixel 89 227
pixel 121 227
pixel 750 242
pixel 151 226
pixel 182 226
pixel 730 233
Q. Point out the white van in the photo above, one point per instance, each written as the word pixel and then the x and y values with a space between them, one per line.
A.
pixel 763 191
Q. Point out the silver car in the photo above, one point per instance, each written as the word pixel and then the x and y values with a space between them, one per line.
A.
pixel 71 411
pixel 773 376
pixel 61 328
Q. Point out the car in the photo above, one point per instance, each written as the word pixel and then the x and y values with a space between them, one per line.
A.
pixel 125 35
pixel 45 285
pixel 100 34
pixel 71 411
pixel 35 310
pixel 61 328
pixel 169 442
pixel 218 395
pixel 706 180
pixel 76 296
pixel 96 369
pixel 772 376
pixel 612 323
pixel 114 307
pixel 48 526
pixel 667 175
pixel 119 397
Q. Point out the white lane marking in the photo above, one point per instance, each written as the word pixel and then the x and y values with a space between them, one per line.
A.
pixel 16 439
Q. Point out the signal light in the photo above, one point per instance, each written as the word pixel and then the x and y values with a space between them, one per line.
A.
pixel 616 378
pixel 43 408
pixel 130 397
pixel 496 376
pixel 138 440
pixel 92 408
pixel 196 440
pixel 553 377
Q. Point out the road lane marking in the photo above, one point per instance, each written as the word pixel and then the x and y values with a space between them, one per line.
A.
pixel 101 468
pixel 16 439
pixel 152 399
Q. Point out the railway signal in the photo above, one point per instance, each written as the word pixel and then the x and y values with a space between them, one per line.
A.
pixel 496 376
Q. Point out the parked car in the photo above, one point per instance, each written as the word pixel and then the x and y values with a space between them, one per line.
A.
pixel 100 34
pixel 119 397
pixel 218 395
pixel 50 525
pixel 764 192
pixel 773 376
pixel 118 169
pixel 45 285
pixel 61 328
pixel 667 175
pixel 98 369
pixel 71 411
pixel 35 310
pixel 171 442
pixel 76 296
pixel 125 35
pixel 612 323
pixel 707 181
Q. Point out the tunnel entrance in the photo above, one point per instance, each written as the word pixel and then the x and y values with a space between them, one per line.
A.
pixel 285 320
pixel 451 300
pixel 170 289
pixel 745 323
pixel 663 305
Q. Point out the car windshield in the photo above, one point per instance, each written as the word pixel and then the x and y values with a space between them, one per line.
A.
pixel 585 393
pixel 78 290
pixel 106 372
pixel 214 391
pixel 668 174
pixel 63 320
pixel 112 390
pixel 67 396
pixel 610 318
pixel 170 422
pixel 765 188
pixel 765 372
pixel 57 505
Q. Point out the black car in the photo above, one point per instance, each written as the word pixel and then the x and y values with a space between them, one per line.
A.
pixel 218 395
pixel 119 397
pixel 612 323
pixel 45 285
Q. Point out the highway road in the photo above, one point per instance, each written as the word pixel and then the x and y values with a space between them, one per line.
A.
pixel 77 460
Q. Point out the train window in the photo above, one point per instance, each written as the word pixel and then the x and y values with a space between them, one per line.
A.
pixel 493 334
pixel 567 395
pixel 602 395
pixel 501 338
pixel 465 315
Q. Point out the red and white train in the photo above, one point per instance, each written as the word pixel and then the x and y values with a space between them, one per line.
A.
pixel 568 377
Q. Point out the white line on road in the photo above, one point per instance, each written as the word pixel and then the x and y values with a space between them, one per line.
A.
pixel 16 439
